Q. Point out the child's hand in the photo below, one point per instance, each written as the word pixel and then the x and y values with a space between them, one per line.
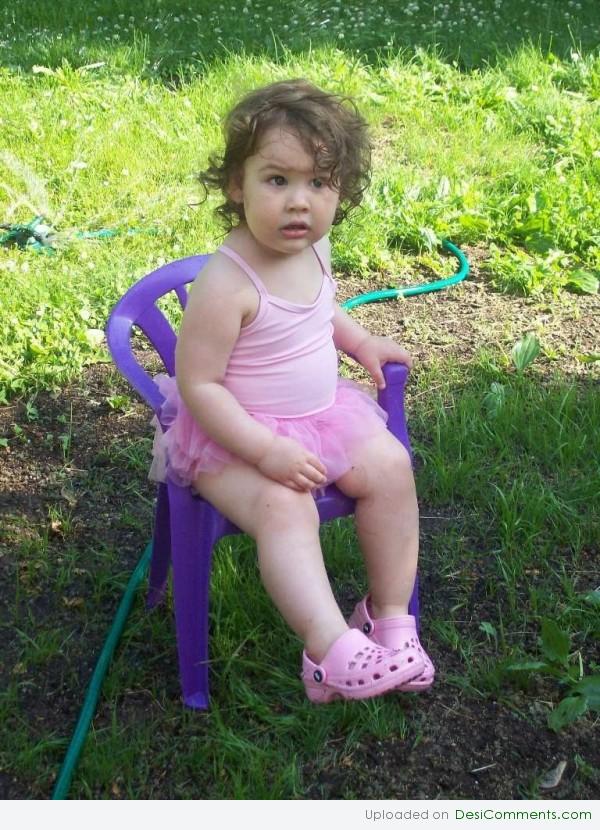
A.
pixel 288 462
pixel 373 352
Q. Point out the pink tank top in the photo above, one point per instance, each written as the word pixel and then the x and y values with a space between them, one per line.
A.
pixel 284 362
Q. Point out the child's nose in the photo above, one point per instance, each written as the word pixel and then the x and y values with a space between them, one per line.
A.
pixel 298 198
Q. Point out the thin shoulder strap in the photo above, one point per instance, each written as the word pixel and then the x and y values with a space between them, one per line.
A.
pixel 323 269
pixel 326 273
pixel 252 275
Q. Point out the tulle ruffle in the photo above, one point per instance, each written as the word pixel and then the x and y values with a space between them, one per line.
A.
pixel 183 450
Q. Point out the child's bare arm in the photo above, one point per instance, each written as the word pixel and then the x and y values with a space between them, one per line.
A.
pixel 350 337
pixel 347 333
pixel 209 330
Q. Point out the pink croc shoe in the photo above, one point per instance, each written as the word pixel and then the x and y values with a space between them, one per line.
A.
pixel 355 668
pixel 396 633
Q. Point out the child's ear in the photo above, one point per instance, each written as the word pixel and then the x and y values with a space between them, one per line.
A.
pixel 235 189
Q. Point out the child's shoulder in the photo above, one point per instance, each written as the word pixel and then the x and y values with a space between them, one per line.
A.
pixel 222 281
pixel 221 274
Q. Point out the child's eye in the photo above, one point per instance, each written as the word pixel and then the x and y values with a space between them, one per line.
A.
pixel 278 180
pixel 320 183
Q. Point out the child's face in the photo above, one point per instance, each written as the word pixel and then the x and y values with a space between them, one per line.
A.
pixel 288 206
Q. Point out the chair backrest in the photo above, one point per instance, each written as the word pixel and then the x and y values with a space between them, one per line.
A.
pixel 138 307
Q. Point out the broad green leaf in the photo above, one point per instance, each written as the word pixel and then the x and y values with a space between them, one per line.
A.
pixel 593 597
pixel 430 238
pixel 495 399
pixel 525 351
pixel 567 711
pixel 583 282
pixel 587 358
pixel 488 629
pixel 474 222
pixel 555 642
pixel 589 687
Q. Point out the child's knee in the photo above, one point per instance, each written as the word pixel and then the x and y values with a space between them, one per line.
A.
pixel 383 465
pixel 394 468
pixel 400 461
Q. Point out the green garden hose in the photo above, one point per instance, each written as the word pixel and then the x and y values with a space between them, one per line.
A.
pixel 390 293
pixel 38 235
pixel 90 702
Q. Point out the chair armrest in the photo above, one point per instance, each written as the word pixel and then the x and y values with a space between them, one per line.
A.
pixel 392 400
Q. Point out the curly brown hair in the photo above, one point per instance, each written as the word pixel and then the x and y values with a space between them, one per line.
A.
pixel 329 126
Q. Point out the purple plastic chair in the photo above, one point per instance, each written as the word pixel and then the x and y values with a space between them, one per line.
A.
pixel 187 527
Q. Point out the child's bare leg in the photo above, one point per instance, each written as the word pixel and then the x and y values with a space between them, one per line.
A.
pixel 387 521
pixel 285 525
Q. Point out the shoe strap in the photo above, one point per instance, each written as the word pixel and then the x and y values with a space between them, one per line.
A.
pixel 405 622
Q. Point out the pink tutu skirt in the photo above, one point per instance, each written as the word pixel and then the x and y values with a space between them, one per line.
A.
pixel 183 450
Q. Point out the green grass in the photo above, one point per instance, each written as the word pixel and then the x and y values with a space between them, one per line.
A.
pixel 484 132
pixel 174 37
pixel 505 156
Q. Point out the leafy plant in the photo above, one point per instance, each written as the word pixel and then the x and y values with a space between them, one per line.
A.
pixel 525 351
pixel 118 402
pixel 495 399
pixel 583 282
pixel 584 692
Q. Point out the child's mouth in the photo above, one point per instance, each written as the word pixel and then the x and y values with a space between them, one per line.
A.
pixel 295 230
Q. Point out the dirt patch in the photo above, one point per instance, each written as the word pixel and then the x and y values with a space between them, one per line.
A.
pixel 469 316
pixel 466 749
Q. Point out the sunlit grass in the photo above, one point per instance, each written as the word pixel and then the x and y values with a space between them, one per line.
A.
pixel 508 158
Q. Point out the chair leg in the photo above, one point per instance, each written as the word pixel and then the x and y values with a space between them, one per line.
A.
pixel 413 605
pixel 161 551
pixel 194 531
pixel 392 400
